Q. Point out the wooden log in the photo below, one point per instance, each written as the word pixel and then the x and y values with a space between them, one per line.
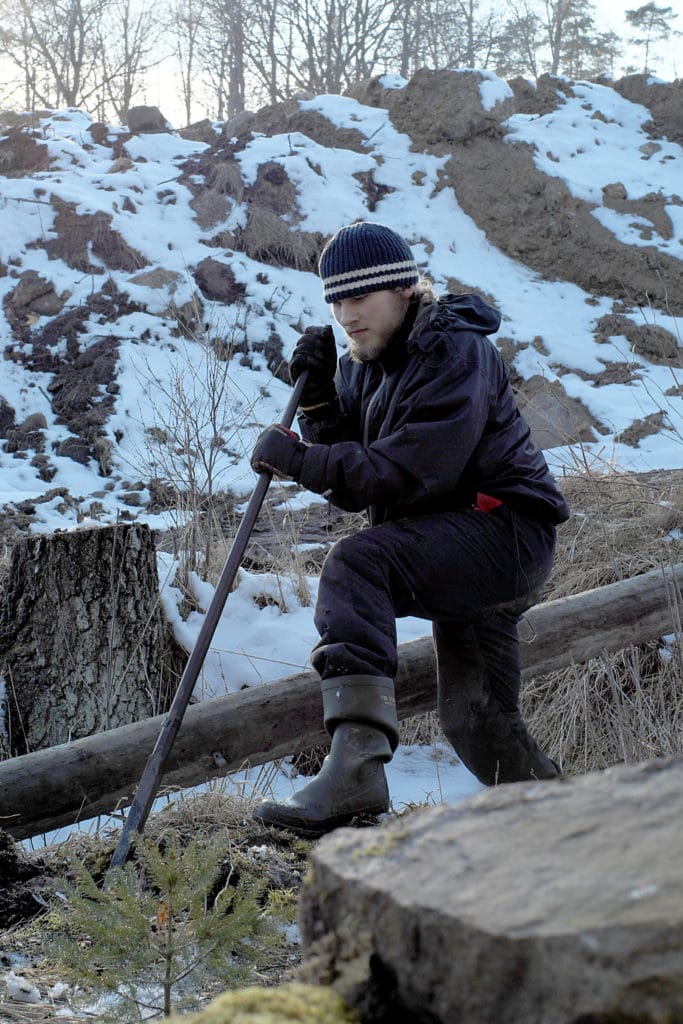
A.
pixel 75 781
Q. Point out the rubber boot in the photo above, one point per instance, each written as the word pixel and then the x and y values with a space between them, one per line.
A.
pixel 492 741
pixel 360 715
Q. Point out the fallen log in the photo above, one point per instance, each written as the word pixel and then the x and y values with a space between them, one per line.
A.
pixel 97 774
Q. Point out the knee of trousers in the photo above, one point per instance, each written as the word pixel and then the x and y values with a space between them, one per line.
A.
pixel 357 554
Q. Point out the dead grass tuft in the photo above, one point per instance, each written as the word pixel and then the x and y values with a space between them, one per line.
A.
pixel 269 239
pixel 622 708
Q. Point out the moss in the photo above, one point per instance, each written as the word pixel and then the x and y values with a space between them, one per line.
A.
pixel 380 847
pixel 303 1004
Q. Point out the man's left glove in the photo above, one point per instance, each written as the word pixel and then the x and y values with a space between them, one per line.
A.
pixel 279 451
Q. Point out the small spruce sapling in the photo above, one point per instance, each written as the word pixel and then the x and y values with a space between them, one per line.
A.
pixel 163 925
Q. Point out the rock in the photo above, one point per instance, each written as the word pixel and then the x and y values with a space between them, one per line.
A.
pixel 553 417
pixel 32 292
pixel 7 415
pixel 34 421
pixel 200 131
pixel 615 190
pixel 217 281
pixel 534 903
pixel 147 120
pixel 158 278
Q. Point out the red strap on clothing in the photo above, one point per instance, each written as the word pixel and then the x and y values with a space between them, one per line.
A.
pixel 485 503
pixel 291 433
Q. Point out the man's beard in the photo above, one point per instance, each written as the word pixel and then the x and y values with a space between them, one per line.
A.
pixel 364 352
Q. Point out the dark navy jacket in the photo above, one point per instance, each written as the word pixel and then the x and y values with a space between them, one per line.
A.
pixel 429 424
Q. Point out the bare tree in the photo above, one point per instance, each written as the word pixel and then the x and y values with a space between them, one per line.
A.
pixel 556 17
pixel 16 49
pixel 320 45
pixel 127 45
pixel 221 54
pixel 520 42
pixel 587 54
pixel 62 38
pixel 444 34
pixel 268 49
pixel 478 32
pixel 557 36
pixel 185 28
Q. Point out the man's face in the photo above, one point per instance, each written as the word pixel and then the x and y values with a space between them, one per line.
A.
pixel 370 321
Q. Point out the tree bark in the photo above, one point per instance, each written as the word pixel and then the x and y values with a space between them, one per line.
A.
pixel 81 635
pixel 76 781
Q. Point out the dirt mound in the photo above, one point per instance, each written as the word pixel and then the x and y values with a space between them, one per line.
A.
pixel 290 117
pixel 22 153
pixel 80 236
pixel 526 214
pixel 663 100
pixel 442 111
pixel 83 386
pixel 531 217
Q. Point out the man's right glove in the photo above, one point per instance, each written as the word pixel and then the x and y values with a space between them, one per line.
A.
pixel 280 451
pixel 315 352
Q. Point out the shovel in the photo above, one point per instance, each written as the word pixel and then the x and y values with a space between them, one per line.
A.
pixel 151 776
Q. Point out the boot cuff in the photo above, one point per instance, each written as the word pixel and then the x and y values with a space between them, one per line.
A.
pixel 366 699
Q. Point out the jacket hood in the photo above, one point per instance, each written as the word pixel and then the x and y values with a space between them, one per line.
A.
pixel 461 312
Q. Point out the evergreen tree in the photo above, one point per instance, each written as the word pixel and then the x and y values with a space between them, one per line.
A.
pixel 653 25
pixel 160 924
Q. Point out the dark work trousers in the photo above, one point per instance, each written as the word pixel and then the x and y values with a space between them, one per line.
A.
pixel 472 574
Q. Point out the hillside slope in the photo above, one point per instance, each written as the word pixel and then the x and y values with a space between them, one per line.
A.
pixel 140 273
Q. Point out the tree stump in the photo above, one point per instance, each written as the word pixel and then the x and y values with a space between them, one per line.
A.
pixel 81 635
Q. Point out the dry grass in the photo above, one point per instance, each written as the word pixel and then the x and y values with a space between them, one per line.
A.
pixel 621 708
pixel 269 239
pixel 626 706
pixel 621 525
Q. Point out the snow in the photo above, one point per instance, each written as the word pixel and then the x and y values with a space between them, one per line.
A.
pixel 492 90
pixel 589 152
pixel 21 989
pixel 594 138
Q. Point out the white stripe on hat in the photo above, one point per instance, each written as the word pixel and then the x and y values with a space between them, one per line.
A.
pixel 386 271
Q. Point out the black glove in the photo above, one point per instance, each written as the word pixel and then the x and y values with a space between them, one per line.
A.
pixel 279 451
pixel 316 352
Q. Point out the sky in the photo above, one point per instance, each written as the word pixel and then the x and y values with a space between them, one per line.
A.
pixel 266 631
pixel 668 56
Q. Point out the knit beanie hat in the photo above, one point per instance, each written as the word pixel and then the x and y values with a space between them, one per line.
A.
pixel 365 257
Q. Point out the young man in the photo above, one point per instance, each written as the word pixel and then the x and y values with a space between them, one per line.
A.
pixel 418 425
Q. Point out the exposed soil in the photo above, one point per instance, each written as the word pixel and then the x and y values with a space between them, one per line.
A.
pixel 529 216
